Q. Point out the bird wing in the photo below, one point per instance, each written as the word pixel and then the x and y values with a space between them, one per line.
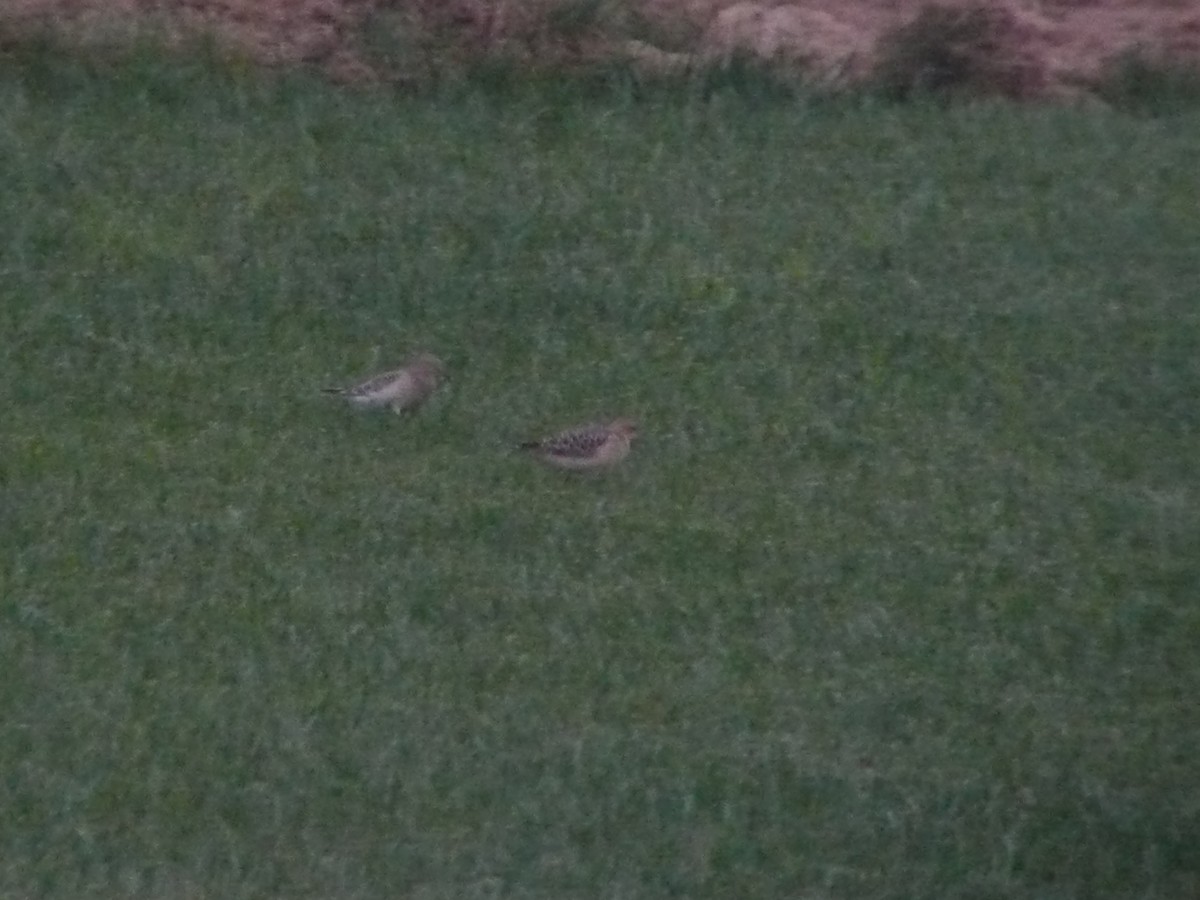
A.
pixel 375 384
pixel 577 444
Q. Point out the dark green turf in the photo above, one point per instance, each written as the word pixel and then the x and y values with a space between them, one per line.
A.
pixel 896 598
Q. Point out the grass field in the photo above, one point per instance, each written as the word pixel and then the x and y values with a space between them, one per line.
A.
pixel 897 597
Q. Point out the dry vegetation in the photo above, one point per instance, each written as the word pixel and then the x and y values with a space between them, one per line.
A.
pixel 1024 49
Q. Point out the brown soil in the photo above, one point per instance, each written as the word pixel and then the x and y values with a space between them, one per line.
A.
pixel 1036 48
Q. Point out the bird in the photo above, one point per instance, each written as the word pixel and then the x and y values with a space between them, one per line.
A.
pixel 403 389
pixel 595 446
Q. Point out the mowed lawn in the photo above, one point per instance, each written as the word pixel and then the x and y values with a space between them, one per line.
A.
pixel 898 595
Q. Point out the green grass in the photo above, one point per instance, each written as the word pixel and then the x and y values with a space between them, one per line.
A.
pixel 897 597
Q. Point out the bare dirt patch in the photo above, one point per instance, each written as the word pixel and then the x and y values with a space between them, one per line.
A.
pixel 1041 48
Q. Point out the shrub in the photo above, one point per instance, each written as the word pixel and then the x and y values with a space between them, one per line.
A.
pixel 1141 83
pixel 973 50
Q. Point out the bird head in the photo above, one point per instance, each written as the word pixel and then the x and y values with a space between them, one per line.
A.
pixel 428 365
pixel 627 428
